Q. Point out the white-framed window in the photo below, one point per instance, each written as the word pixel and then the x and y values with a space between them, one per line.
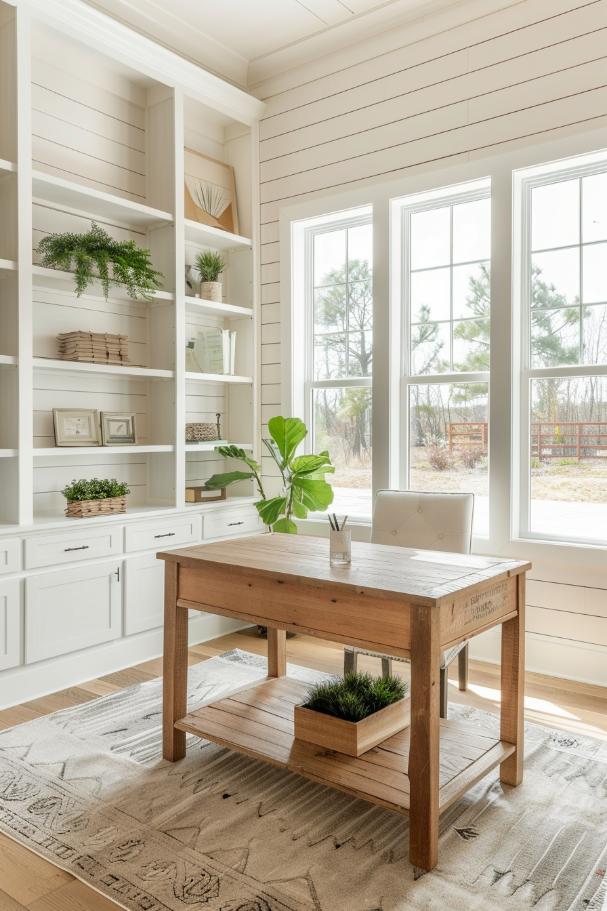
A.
pixel 562 290
pixel 445 282
pixel 337 362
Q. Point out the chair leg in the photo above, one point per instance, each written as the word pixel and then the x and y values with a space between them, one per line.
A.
pixel 350 661
pixel 462 669
pixel 444 691
pixel 386 667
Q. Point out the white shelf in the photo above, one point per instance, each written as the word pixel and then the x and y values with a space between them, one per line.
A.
pixel 208 236
pixel 7 167
pixel 43 363
pixel 209 447
pixel 7 360
pixel 55 279
pixel 218 378
pixel 71 195
pixel 7 265
pixel 60 451
pixel 8 453
pixel 229 310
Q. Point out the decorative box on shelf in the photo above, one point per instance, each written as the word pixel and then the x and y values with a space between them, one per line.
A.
pixel 351 737
pixel 85 509
pixel 197 493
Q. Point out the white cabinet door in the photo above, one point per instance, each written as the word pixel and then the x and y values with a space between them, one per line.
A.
pixel 143 594
pixel 72 609
pixel 10 624
pixel 10 555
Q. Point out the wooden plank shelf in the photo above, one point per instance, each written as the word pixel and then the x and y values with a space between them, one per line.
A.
pixel 7 266
pixel 44 363
pixel 69 194
pixel 258 721
pixel 52 452
pixel 218 378
pixel 219 309
pixel 59 280
pixel 208 236
pixel 210 447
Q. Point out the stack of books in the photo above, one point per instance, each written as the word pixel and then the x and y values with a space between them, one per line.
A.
pixel 93 347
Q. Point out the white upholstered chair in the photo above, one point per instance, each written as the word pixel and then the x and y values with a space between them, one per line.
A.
pixel 428 521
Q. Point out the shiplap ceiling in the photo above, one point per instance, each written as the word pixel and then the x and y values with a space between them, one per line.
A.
pixel 235 37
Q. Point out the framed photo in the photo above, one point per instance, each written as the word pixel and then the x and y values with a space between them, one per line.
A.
pixel 118 428
pixel 76 426
pixel 210 192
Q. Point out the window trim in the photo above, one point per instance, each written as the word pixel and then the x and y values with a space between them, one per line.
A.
pixel 406 206
pixel 309 383
pixel 504 165
pixel 524 182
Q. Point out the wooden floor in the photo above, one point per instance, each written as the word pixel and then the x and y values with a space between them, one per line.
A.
pixel 28 882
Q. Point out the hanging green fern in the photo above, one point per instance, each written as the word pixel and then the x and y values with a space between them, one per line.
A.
pixel 96 255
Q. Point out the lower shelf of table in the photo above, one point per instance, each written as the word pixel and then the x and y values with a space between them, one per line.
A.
pixel 258 721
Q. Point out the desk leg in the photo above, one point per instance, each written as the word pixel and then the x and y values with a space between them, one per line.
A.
pixel 513 688
pixel 425 737
pixel 277 652
pixel 174 668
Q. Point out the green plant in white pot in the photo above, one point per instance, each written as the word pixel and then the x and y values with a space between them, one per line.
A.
pixel 210 266
pixel 304 486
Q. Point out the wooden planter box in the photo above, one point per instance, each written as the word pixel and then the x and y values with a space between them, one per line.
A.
pixel 86 509
pixel 351 737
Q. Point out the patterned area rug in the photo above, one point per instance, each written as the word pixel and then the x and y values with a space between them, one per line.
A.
pixel 86 789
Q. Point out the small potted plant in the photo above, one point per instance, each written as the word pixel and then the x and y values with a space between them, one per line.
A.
pixel 210 265
pixel 95 498
pixel 352 714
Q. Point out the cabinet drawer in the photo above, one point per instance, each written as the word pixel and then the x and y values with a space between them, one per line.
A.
pixel 143 594
pixel 71 547
pixel 72 609
pixel 233 522
pixel 162 534
pixel 10 624
pixel 10 555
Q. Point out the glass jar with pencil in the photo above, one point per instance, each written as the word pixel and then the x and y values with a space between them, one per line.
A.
pixel 340 541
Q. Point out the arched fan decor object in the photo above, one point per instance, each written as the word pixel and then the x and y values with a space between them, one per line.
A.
pixel 210 192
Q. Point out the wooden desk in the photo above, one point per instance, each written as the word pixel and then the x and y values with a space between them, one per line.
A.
pixel 394 600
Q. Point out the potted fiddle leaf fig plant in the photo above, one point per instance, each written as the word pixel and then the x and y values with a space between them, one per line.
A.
pixel 304 486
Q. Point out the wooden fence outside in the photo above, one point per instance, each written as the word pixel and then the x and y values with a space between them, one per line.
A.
pixel 549 439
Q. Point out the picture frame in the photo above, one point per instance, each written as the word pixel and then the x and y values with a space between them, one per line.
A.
pixel 118 428
pixel 210 192
pixel 76 427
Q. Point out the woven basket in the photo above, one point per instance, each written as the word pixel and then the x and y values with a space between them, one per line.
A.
pixel 200 432
pixel 86 509
pixel 211 291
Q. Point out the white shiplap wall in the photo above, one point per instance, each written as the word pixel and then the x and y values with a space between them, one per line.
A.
pixel 509 76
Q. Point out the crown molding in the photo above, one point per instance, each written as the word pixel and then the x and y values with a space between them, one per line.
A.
pixel 86 24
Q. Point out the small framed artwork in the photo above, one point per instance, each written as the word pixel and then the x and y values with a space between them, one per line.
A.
pixel 76 426
pixel 118 428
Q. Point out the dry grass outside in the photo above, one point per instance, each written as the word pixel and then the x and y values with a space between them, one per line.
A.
pixel 561 480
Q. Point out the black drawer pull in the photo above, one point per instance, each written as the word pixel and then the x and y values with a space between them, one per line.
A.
pixel 230 524
pixel 169 534
pixel 66 550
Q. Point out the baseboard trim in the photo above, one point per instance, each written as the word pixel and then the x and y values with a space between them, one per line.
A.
pixel 45 677
pixel 549 655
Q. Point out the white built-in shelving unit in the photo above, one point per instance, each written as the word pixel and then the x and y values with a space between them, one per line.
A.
pixel 84 137
pixel 94 123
